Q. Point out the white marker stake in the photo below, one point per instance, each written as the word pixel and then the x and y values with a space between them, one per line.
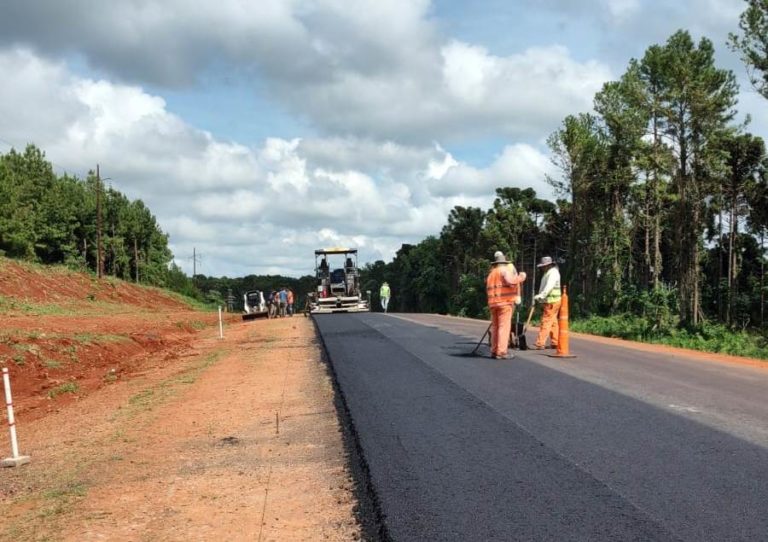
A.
pixel 17 459
pixel 221 325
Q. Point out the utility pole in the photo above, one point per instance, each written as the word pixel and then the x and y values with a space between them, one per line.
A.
pixel 99 253
pixel 195 258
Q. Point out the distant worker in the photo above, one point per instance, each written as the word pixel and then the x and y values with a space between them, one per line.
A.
pixel 272 303
pixel 550 295
pixel 384 295
pixel 290 302
pixel 503 289
pixel 282 296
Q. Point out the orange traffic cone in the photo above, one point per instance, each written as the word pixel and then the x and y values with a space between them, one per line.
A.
pixel 563 350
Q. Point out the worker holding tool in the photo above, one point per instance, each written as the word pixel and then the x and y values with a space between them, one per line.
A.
pixel 550 295
pixel 503 289
pixel 384 295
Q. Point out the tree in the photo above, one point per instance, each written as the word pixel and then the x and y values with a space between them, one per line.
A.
pixel 579 150
pixel 757 196
pixel 698 105
pixel 460 240
pixel 753 43
pixel 745 155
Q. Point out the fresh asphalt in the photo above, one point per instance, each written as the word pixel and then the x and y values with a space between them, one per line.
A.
pixel 617 444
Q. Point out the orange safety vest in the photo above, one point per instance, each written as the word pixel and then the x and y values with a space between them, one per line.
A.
pixel 499 293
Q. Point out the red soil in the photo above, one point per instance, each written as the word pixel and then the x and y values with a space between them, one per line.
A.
pixel 64 334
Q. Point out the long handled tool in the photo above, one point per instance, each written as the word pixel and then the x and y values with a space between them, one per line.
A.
pixel 522 341
pixel 530 317
pixel 487 331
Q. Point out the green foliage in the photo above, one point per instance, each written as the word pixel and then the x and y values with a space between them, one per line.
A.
pixel 657 187
pixel 752 43
pixel 470 299
pixel 53 220
pixel 706 337
pixel 67 387
pixel 214 290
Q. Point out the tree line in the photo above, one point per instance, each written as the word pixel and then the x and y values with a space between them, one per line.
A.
pixel 58 219
pixel 662 208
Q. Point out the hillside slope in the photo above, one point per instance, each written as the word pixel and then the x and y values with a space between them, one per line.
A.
pixel 64 334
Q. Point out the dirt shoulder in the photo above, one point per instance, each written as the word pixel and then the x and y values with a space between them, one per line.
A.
pixel 233 439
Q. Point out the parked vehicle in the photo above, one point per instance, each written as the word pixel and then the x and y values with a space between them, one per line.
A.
pixel 254 305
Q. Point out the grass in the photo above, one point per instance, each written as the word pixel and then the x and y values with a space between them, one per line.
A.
pixel 51 363
pixel 149 398
pixel 24 306
pixel 67 387
pixel 190 302
pixel 193 324
pixel 97 285
pixel 708 337
pixel 12 337
pixel 92 338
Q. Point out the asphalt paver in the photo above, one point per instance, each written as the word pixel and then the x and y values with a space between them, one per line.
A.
pixel 447 462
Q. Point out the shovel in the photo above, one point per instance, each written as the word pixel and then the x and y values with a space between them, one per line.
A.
pixel 523 340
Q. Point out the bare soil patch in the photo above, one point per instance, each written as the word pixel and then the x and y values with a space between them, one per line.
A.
pixel 236 440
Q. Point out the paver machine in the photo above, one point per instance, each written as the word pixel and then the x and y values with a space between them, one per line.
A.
pixel 338 282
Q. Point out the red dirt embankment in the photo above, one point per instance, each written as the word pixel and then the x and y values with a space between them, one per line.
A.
pixel 64 334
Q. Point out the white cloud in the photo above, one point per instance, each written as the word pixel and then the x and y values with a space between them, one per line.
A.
pixel 247 210
pixel 519 165
pixel 369 69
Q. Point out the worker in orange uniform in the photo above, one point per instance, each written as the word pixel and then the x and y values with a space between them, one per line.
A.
pixel 503 289
pixel 551 296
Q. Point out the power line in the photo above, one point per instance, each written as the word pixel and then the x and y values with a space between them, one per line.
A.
pixel 195 258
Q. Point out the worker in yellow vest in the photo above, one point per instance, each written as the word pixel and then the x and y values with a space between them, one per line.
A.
pixel 503 289
pixel 384 294
pixel 550 295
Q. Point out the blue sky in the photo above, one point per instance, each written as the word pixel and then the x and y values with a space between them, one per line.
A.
pixel 250 127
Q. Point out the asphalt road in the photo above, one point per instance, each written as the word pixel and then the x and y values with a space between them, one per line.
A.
pixel 617 444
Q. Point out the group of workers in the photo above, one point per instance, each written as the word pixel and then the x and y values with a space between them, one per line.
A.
pixel 280 303
pixel 503 288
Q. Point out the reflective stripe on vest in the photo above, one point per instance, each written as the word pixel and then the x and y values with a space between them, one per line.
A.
pixel 497 290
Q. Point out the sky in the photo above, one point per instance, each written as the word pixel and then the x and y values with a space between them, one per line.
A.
pixel 259 130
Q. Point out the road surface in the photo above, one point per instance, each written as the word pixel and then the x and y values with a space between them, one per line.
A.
pixel 617 444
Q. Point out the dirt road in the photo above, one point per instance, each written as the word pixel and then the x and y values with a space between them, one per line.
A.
pixel 234 439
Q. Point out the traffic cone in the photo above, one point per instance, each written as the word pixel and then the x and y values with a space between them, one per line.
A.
pixel 563 350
